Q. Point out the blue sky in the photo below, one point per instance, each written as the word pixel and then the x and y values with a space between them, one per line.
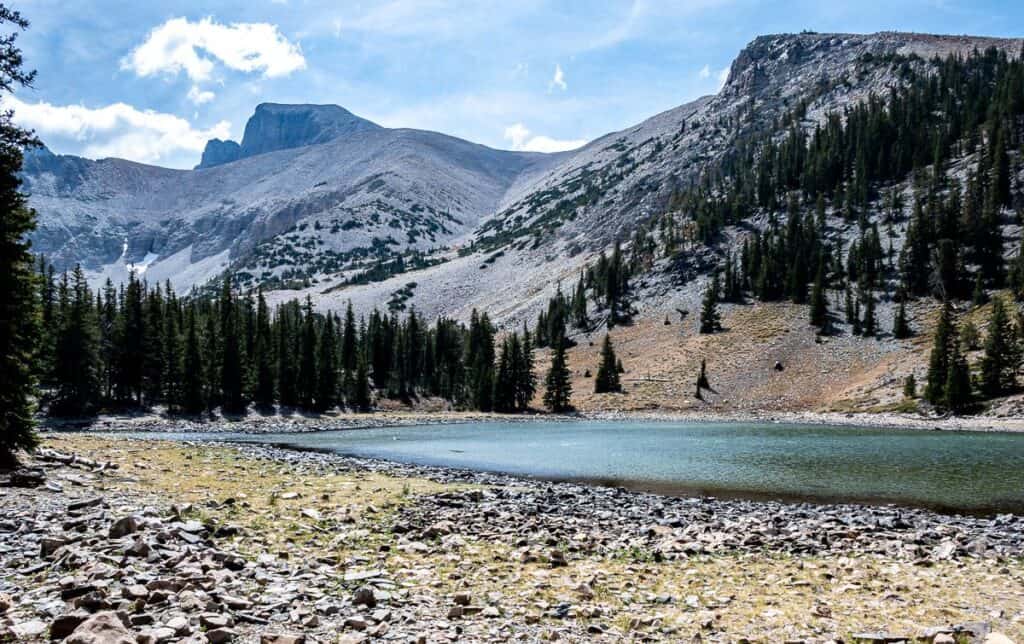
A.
pixel 152 81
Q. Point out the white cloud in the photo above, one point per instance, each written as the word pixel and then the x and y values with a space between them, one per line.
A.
pixel 521 140
pixel 199 96
pixel 179 45
pixel 116 130
pixel 558 80
pixel 705 72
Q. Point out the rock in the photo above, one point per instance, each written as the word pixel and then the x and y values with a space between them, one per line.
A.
pixel 220 635
pixel 135 591
pixel 26 477
pixel 881 638
pixel 123 526
pixel 456 612
pixel 945 550
pixel 364 597
pixel 491 611
pixel 179 625
pixel 85 504
pixel 139 548
pixel 282 638
pixel 50 545
pixel 215 620
pixel 557 558
pixel 30 629
pixel 5 602
pixel 943 638
pixel 356 623
pixel 156 635
pixel 101 628
pixel 64 625
pixel 997 638
pixel 462 599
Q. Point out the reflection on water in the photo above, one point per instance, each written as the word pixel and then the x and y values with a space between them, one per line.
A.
pixel 950 470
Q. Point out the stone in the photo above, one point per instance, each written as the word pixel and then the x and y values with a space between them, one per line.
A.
pixel 30 629
pixel 282 638
pixel 85 504
pixel 356 623
pixel 364 597
pixel 943 638
pixel 462 599
pixel 139 548
pixel 215 620
pixel 179 625
pixel 220 635
pixel 123 527
pixel 50 545
pixel 64 625
pixel 557 558
pixel 101 628
pixel 997 638
pixel 156 635
pixel 135 591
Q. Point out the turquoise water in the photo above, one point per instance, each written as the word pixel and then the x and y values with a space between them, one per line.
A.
pixel 976 472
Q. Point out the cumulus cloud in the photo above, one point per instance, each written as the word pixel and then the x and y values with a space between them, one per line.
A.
pixel 558 80
pixel 523 140
pixel 180 45
pixel 116 130
pixel 199 96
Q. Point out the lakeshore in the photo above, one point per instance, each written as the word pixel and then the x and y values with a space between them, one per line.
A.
pixel 215 543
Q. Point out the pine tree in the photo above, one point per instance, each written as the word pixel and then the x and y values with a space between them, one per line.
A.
pixel 231 384
pixel 558 387
pixel 349 357
pixel 307 358
pixel 327 376
pixel 526 385
pixel 900 326
pixel 19 316
pixel 76 357
pixel 999 365
pixel 957 392
pixel 173 363
pixel 359 394
pixel 193 388
pixel 607 379
pixel 870 323
pixel 910 387
pixel 710 319
pixel 264 355
pixel 819 302
pixel 938 362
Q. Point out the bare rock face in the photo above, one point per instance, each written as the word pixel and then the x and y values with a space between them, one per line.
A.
pixel 279 127
pixel 101 628
pixel 219 152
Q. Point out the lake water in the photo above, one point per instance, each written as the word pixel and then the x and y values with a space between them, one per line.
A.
pixel 962 471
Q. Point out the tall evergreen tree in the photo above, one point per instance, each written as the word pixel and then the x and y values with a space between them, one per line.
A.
pixel 77 351
pixel 194 386
pixel 607 379
pixel 957 392
pixel 938 363
pixel 710 318
pixel 819 301
pixel 327 361
pixel 19 316
pixel 307 358
pixel 557 384
pixel 263 361
pixel 999 365
pixel 231 383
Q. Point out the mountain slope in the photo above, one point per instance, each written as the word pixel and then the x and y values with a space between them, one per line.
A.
pixel 336 185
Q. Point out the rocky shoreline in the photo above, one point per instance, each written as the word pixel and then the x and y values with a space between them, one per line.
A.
pixel 254 423
pixel 105 551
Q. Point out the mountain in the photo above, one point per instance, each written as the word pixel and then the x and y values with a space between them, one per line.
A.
pixel 872 160
pixel 309 190
pixel 281 127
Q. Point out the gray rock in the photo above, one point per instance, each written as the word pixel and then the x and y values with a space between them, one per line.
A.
pixel 123 526
pixel 64 625
pixel 101 628
pixel 364 596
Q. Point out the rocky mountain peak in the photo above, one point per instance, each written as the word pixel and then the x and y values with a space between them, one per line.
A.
pixel 276 126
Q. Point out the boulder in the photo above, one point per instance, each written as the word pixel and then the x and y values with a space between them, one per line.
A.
pixel 65 625
pixel 102 628
pixel 123 526
pixel 282 638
